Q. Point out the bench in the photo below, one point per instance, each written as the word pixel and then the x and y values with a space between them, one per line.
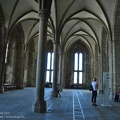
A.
pixel 9 86
pixel 48 84
pixel 76 86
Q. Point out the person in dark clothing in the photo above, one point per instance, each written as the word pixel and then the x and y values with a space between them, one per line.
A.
pixel 58 90
pixel 117 95
pixel 94 92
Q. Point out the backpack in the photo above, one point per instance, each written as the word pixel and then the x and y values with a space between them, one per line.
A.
pixel 91 88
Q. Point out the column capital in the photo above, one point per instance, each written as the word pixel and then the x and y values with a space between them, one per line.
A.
pixel 44 14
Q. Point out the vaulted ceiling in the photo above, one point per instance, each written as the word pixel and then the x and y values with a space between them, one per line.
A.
pixel 70 19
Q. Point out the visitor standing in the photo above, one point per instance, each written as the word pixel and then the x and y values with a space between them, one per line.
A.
pixel 94 91
pixel 117 99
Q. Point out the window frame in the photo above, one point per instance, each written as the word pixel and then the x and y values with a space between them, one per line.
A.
pixel 77 69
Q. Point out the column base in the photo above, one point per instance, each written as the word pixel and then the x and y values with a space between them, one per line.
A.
pixel 54 94
pixel 2 90
pixel 39 107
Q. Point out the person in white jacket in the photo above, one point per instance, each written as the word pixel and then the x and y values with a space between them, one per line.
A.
pixel 94 91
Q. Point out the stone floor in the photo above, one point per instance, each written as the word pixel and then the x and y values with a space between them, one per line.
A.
pixel 73 105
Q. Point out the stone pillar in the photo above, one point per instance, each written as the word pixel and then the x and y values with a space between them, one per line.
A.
pixel 34 69
pixel 111 69
pixel 103 58
pixel 30 75
pixel 40 104
pixel 100 74
pixel 25 69
pixel 55 71
pixel 60 70
pixel 63 71
pixel 2 54
pixel 106 89
pixel 104 51
pixel 87 70
pixel 92 67
pixel 116 65
pixel 19 65
pixel 115 71
pixel 96 62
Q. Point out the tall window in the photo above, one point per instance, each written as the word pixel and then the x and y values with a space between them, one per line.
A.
pixel 49 72
pixel 78 68
pixel 6 53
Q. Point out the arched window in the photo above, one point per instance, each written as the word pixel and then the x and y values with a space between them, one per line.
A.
pixel 49 72
pixel 6 54
pixel 78 68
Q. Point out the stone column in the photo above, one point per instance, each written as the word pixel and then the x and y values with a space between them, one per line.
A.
pixel 40 103
pixel 103 57
pixel 2 54
pixel 111 69
pixel 115 71
pixel 92 67
pixel 116 65
pixel 19 64
pixel 60 70
pixel 34 68
pixel 96 62
pixel 25 69
pixel 100 73
pixel 63 71
pixel 55 70
pixel 87 70
pixel 30 75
